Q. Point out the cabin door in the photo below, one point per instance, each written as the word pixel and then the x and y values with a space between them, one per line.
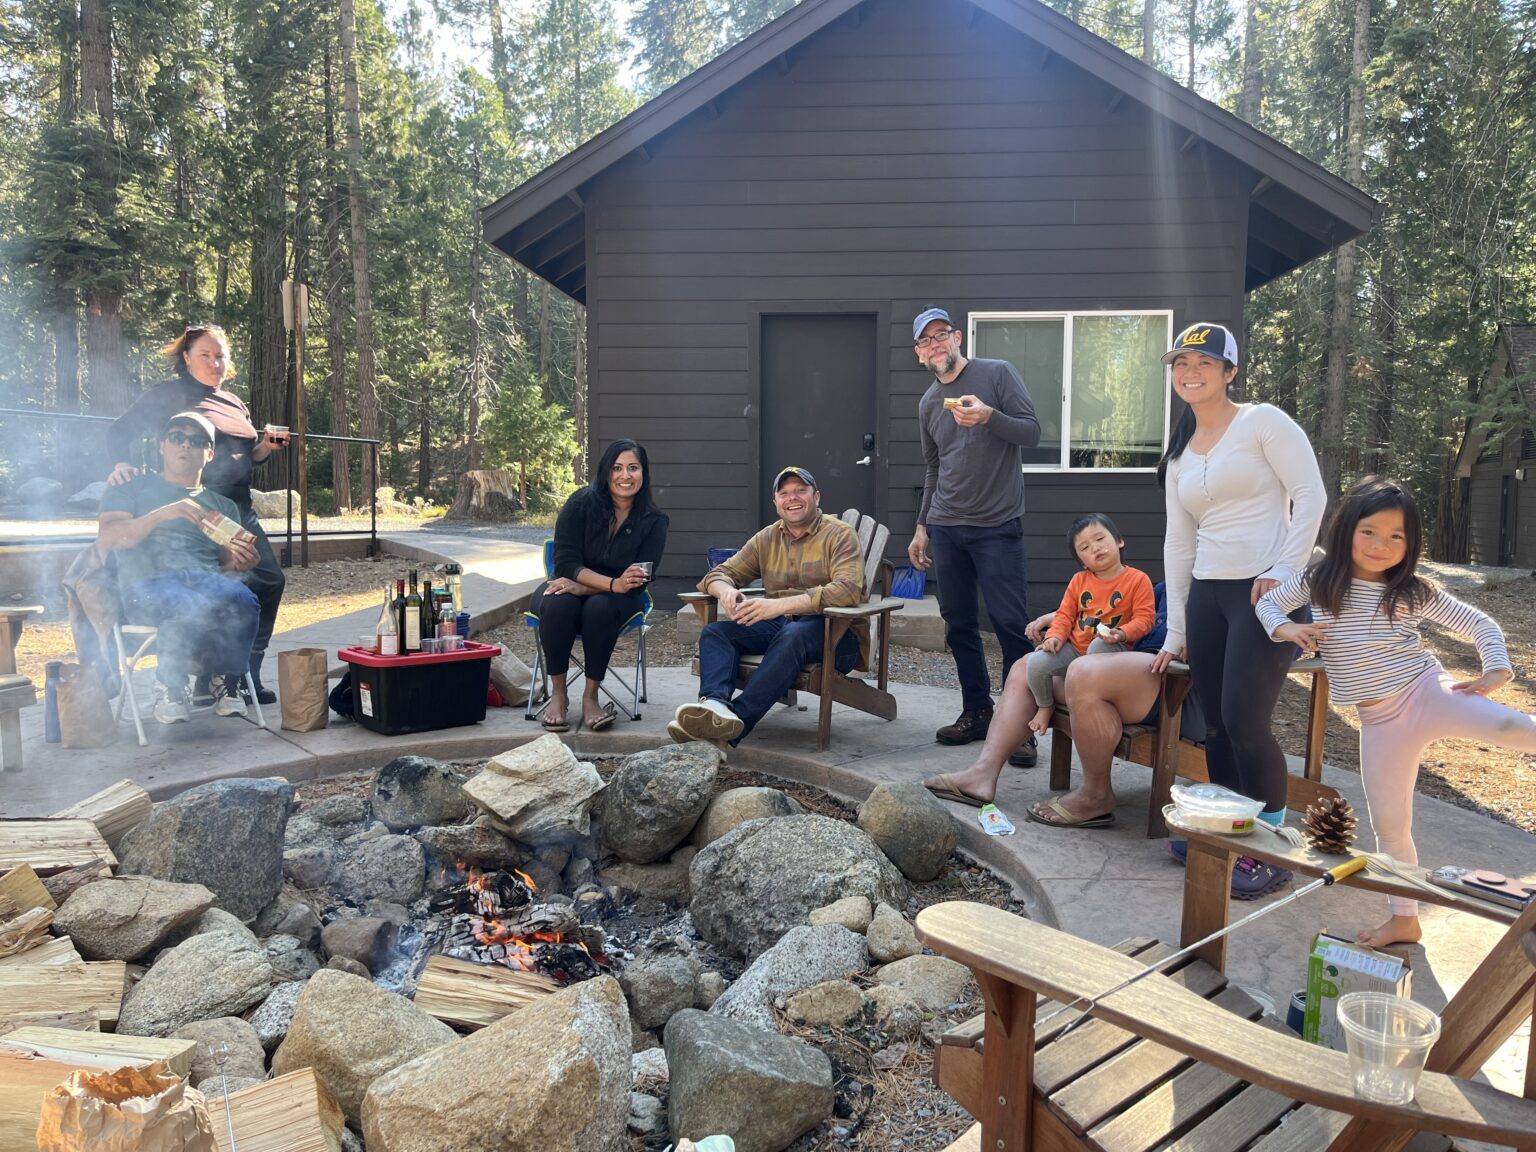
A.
pixel 819 407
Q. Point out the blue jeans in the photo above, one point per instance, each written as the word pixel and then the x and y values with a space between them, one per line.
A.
pixel 968 559
pixel 207 622
pixel 786 647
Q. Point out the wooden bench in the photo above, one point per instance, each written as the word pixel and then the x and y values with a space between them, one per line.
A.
pixel 16 692
pixel 1178 1062
pixel 822 680
pixel 1162 748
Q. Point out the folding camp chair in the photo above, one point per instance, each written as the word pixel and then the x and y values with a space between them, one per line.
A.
pixel 636 624
pixel 146 635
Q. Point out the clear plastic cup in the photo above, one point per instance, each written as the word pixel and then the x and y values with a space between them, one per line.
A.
pixel 1388 1038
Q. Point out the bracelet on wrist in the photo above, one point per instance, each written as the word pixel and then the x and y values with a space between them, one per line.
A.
pixel 611 579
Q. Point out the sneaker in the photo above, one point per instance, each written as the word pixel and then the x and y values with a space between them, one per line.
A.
pixel 226 696
pixel 708 720
pixel 1179 850
pixel 1251 879
pixel 972 724
pixel 202 696
pixel 171 704
pixel 1026 755
pixel 680 736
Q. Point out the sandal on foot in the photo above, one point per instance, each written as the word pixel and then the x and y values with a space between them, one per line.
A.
pixel 1065 818
pixel 604 719
pixel 552 725
pixel 945 788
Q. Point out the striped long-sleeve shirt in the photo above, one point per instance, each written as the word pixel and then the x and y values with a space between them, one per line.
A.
pixel 1369 657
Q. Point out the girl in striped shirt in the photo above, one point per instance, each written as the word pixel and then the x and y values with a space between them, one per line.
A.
pixel 1369 601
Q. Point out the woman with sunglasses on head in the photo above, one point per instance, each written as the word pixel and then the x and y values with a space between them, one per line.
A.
pixel 199 360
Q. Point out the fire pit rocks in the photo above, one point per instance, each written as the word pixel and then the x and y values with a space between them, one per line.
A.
pixel 753 956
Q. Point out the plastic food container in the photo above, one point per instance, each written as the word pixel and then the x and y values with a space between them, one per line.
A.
pixel 1212 808
pixel 393 695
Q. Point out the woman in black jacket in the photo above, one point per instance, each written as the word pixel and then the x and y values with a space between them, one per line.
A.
pixel 602 536
pixel 199 359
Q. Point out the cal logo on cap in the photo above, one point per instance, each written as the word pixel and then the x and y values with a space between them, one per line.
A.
pixel 1196 336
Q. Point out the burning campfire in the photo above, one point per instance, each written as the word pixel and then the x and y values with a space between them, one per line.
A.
pixel 497 918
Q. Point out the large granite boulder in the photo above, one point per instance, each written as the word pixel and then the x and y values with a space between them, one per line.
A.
pixel 411 791
pixel 123 919
pixel 244 1055
pixel 806 956
pixel 226 835
pixel 553 1077
pixel 213 920
pixel 368 940
pixel 392 868
pixel 764 877
pixel 351 1032
pixel 215 974
pixel 479 845
pixel 911 827
pixel 539 793
pixel 660 981
pixel 761 1089
pixel 656 797
pixel 738 805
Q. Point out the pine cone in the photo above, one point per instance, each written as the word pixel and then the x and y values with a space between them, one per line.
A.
pixel 1330 825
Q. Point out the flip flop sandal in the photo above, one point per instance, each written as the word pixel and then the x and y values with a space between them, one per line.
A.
pixel 1067 819
pixel 946 789
pixel 557 725
pixel 604 719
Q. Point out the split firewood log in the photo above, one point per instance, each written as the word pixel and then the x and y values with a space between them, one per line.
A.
pixel 62 885
pixel 24 932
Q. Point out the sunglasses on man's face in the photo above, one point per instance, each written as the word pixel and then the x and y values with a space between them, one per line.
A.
pixel 191 438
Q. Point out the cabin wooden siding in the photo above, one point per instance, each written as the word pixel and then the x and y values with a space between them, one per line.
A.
pixel 928 155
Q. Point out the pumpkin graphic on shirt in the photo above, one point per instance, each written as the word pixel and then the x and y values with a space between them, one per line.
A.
pixel 1090 614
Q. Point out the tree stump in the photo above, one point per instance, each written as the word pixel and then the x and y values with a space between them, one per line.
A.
pixel 486 495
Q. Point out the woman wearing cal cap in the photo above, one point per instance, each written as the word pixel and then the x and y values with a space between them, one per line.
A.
pixel 1245 500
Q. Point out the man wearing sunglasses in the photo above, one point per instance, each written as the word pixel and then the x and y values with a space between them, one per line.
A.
pixel 973 422
pixel 171 572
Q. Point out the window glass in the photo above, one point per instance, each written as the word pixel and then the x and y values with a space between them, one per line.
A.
pixel 1118 386
pixel 1036 348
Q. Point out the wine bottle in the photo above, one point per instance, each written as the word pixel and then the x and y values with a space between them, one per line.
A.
pixel 398 607
pixel 410 639
pixel 428 610
pixel 387 633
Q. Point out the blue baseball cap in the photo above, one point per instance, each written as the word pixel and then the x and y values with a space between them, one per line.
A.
pixel 1207 339
pixel 926 318
pixel 793 470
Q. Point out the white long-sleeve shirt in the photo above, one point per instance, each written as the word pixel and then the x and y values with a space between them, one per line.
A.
pixel 1370 657
pixel 1248 508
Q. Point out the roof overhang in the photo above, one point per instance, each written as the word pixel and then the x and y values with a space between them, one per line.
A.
pixel 1298 210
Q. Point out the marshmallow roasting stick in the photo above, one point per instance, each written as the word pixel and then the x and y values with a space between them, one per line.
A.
pixel 221 1057
pixel 1348 868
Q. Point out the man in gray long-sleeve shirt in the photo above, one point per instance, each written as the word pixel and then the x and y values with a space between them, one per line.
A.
pixel 973 421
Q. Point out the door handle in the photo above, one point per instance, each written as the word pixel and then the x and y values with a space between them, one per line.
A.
pixel 864 463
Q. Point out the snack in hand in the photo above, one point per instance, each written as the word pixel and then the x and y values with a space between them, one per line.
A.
pixel 1105 633
pixel 953 402
pixel 223 531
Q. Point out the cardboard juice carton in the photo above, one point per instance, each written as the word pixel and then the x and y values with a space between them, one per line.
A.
pixel 1337 966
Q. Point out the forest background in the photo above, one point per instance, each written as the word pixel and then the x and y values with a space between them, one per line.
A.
pixel 171 161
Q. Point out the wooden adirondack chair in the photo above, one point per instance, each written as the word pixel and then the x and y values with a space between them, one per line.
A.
pixel 822 680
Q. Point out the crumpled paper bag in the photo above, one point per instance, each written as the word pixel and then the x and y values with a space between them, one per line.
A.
pixel 512 677
pixel 148 1109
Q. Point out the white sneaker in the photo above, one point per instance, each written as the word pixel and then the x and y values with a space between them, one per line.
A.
pixel 226 696
pixel 708 720
pixel 170 704
pixel 680 736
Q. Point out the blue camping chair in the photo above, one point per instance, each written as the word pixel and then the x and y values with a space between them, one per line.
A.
pixel 636 623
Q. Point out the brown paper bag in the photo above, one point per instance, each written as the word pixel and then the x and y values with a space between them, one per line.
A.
pixel 85 716
pixel 511 677
pixel 302 689
pixel 147 1109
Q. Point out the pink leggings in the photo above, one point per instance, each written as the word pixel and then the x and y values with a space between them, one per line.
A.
pixel 1393 735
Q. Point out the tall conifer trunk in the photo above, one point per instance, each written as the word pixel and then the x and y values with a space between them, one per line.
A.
pixel 362 295
pixel 106 354
pixel 335 304
pixel 66 301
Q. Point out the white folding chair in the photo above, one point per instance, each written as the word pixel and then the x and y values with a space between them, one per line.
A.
pixel 146 636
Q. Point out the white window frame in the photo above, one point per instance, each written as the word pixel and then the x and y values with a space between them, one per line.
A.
pixel 1069 317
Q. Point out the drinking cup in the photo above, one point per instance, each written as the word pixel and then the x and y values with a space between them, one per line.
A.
pixel 647 567
pixel 277 433
pixel 1388 1038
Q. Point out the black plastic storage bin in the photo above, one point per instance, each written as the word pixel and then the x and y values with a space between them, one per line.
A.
pixel 394 695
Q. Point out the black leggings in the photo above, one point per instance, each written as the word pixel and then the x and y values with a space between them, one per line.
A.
pixel 596 619
pixel 1238 672
pixel 267 581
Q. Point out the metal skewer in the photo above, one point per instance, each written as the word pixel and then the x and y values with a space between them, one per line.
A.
pixel 220 1058
pixel 1349 867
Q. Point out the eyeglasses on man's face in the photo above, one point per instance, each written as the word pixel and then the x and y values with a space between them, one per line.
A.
pixel 191 439
pixel 926 342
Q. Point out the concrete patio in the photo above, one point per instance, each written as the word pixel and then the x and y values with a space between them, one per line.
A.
pixel 1103 885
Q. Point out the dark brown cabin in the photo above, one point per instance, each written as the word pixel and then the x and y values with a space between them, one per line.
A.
pixel 1496 469
pixel 752 244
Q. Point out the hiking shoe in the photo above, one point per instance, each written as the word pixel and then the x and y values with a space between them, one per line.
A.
pixel 708 720
pixel 171 704
pixel 680 736
pixel 226 696
pixel 1251 879
pixel 1179 850
pixel 972 724
pixel 1026 755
